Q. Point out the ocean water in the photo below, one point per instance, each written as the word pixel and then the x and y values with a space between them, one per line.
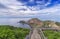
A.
pixel 13 22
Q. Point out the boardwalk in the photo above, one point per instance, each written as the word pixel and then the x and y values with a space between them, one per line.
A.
pixel 39 35
pixel 35 35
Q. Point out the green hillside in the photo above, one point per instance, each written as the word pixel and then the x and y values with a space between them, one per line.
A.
pixel 10 32
pixel 50 34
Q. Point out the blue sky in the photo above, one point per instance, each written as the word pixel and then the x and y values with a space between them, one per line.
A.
pixel 33 2
pixel 47 9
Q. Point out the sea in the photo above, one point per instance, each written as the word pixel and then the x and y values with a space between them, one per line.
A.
pixel 14 22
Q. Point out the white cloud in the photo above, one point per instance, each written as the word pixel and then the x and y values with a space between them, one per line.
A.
pixel 16 9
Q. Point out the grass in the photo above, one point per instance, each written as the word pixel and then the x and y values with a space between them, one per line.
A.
pixel 50 34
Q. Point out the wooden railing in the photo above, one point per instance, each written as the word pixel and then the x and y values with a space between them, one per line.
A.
pixel 42 34
pixel 50 29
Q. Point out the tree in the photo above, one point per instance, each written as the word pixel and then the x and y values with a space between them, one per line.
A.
pixel 57 23
pixel 22 22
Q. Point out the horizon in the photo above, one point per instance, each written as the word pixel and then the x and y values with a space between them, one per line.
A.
pixel 27 18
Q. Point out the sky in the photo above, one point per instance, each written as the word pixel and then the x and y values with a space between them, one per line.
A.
pixel 44 9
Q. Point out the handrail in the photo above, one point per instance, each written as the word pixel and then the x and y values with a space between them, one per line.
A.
pixel 42 35
pixel 50 29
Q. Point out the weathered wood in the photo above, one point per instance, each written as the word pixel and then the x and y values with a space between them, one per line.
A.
pixel 35 34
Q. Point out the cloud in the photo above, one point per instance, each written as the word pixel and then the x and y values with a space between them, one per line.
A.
pixel 2 6
pixel 18 9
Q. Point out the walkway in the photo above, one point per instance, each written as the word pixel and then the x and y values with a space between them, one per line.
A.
pixel 35 35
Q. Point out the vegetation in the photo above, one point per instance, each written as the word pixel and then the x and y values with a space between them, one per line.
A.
pixel 57 23
pixel 10 32
pixel 22 22
pixel 50 34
